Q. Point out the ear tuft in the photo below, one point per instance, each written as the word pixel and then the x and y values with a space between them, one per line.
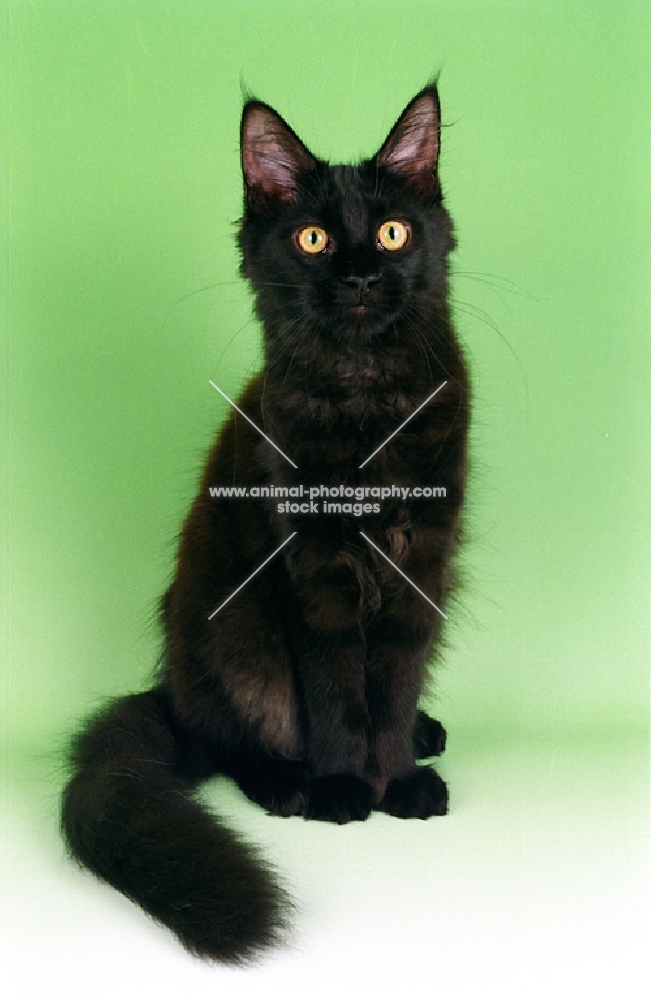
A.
pixel 411 149
pixel 273 157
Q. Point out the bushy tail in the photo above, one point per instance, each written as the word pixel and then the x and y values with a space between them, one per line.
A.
pixel 127 816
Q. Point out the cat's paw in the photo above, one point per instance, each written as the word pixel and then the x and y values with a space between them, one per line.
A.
pixel 339 798
pixel 429 737
pixel 282 787
pixel 420 794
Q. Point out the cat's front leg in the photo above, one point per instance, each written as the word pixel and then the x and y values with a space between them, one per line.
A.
pixel 328 641
pixel 332 671
pixel 399 643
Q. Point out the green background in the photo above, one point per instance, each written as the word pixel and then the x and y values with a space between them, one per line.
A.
pixel 123 299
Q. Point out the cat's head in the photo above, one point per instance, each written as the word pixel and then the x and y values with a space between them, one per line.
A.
pixel 350 252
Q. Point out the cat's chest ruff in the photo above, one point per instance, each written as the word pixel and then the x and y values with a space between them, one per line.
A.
pixel 359 409
pixel 360 390
pixel 365 370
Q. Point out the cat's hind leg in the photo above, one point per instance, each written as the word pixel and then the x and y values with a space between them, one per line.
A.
pixel 279 785
pixel 429 737
pixel 418 795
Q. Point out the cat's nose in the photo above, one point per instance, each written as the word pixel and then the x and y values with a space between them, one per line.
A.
pixel 361 284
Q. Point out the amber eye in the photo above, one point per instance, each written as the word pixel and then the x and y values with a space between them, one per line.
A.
pixel 392 235
pixel 312 239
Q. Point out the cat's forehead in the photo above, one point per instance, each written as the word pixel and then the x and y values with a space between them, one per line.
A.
pixel 350 197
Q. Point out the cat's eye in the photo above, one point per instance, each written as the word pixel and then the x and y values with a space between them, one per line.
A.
pixel 312 239
pixel 393 235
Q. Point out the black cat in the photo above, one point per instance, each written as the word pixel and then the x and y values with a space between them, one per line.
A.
pixel 303 685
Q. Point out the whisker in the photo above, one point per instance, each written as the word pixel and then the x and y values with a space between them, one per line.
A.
pixel 470 310
pixel 503 284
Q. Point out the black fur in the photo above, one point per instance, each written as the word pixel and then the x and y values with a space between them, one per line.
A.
pixel 304 687
pixel 128 817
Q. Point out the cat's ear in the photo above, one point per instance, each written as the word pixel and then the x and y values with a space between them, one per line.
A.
pixel 273 157
pixel 411 150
